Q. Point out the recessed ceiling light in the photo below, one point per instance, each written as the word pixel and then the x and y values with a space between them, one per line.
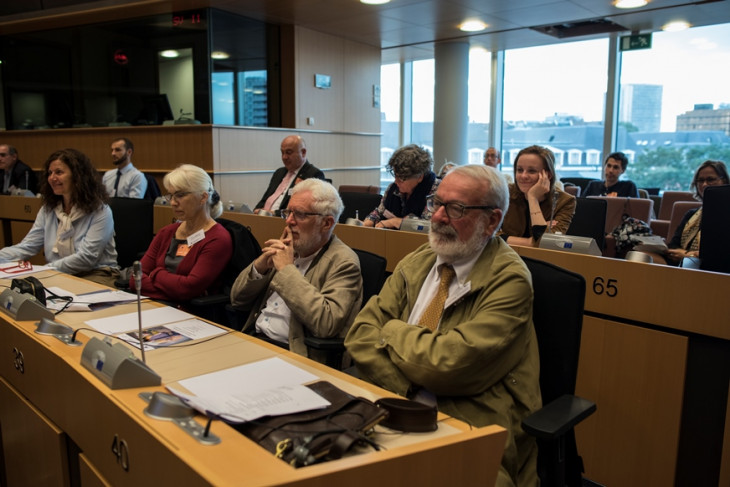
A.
pixel 374 2
pixel 219 55
pixel 170 53
pixel 630 3
pixel 472 26
pixel 675 26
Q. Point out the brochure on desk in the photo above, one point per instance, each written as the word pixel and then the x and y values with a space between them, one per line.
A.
pixel 161 327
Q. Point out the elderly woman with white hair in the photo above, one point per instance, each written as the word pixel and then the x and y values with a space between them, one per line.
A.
pixel 186 258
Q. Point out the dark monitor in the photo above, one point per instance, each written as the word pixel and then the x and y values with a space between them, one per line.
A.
pixel 155 110
pixel 714 253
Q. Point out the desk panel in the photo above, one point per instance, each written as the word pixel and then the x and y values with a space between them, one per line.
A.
pixel 657 294
pixel 158 452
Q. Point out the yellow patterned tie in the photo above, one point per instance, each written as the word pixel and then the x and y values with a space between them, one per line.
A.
pixel 432 315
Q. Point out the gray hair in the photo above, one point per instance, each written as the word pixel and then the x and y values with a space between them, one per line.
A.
pixel 410 161
pixel 325 198
pixel 496 192
pixel 188 177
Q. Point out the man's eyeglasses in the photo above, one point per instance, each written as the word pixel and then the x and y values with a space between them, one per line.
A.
pixel 21 266
pixel 298 215
pixel 453 210
pixel 177 196
pixel 710 181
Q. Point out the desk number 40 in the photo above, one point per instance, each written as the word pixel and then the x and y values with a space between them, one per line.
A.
pixel 605 286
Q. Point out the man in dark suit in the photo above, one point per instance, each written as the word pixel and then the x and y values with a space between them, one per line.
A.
pixel 296 168
pixel 14 173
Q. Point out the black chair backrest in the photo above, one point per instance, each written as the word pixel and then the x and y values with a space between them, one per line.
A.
pixel 245 250
pixel 363 203
pixel 558 318
pixel 714 255
pixel 372 268
pixel 589 220
pixel 133 228
pixel 153 189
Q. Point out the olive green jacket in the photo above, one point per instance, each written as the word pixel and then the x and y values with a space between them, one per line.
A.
pixel 482 363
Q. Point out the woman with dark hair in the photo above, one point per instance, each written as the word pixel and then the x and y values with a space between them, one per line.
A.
pixel 406 196
pixel 74 227
pixel 186 258
pixel 686 239
pixel 535 203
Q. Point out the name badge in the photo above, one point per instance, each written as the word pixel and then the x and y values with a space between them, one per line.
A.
pixel 182 250
pixel 196 237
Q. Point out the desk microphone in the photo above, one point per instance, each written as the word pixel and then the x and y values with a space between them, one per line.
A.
pixel 137 272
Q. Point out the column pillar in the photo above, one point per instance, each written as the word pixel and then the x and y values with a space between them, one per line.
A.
pixel 451 110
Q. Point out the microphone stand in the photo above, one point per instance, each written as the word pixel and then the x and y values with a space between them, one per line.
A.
pixel 137 270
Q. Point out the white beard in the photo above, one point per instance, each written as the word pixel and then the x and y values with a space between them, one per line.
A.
pixel 446 244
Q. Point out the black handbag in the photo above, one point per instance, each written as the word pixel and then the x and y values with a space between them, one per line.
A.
pixel 30 285
pixel 312 436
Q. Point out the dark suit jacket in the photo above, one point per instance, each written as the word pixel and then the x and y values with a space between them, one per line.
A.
pixel 17 177
pixel 307 171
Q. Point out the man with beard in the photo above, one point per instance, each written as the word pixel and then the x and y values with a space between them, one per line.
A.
pixel 307 282
pixel 452 325
pixel 125 181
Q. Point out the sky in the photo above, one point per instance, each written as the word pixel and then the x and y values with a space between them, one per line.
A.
pixel 571 78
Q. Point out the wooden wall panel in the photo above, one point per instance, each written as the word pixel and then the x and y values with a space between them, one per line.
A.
pixel 156 148
pixel 636 377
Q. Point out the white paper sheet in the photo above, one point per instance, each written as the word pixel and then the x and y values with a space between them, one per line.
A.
pixel 128 322
pixel 13 275
pixel 247 392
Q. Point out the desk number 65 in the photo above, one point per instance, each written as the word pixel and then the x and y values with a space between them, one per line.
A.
pixel 605 286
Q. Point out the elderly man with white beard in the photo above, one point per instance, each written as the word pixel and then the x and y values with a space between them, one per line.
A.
pixel 452 325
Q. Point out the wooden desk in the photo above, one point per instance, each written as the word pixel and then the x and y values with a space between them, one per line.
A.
pixel 47 397
pixel 655 356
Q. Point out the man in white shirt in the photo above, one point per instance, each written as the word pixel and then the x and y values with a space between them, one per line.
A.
pixel 125 181
pixel 296 168
pixel 308 282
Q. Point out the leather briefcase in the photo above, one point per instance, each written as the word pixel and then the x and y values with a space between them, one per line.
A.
pixel 313 436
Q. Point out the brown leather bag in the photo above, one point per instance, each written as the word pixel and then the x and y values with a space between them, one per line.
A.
pixel 312 436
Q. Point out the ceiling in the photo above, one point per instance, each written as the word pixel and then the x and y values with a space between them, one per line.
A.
pixel 403 29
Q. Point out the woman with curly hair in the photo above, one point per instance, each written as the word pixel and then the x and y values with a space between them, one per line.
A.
pixel 186 258
pixel 74 227
pixel 406 197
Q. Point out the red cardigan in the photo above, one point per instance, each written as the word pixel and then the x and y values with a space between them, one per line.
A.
pixel 197 272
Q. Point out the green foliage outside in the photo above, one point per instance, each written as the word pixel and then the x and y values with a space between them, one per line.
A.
pixel 672 168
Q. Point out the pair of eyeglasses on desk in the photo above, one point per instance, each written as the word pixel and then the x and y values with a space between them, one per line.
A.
pixel 22 266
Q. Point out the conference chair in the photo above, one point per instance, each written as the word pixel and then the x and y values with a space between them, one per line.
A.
pixel 572 189
pixel 589 220
pixel 558 339
pixel 360 204
pixel 582 183
pixel 715 233
pixel 245 250
pixel 639 208
pixel 660 226
pixel 153 189
pixel 133 228
pixel 372 268
pixel 358 188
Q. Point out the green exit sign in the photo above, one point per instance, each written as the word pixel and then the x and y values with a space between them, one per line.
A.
pixel 640 41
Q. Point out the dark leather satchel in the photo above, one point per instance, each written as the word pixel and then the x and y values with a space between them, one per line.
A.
pixel 312 436
pixel 30 285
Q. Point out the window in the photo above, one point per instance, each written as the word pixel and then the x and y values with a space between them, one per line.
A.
pixel 670 123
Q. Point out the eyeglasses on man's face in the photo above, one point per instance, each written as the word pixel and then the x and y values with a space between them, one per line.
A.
pixel 177 195
pixel 298 215
pixel 453 210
